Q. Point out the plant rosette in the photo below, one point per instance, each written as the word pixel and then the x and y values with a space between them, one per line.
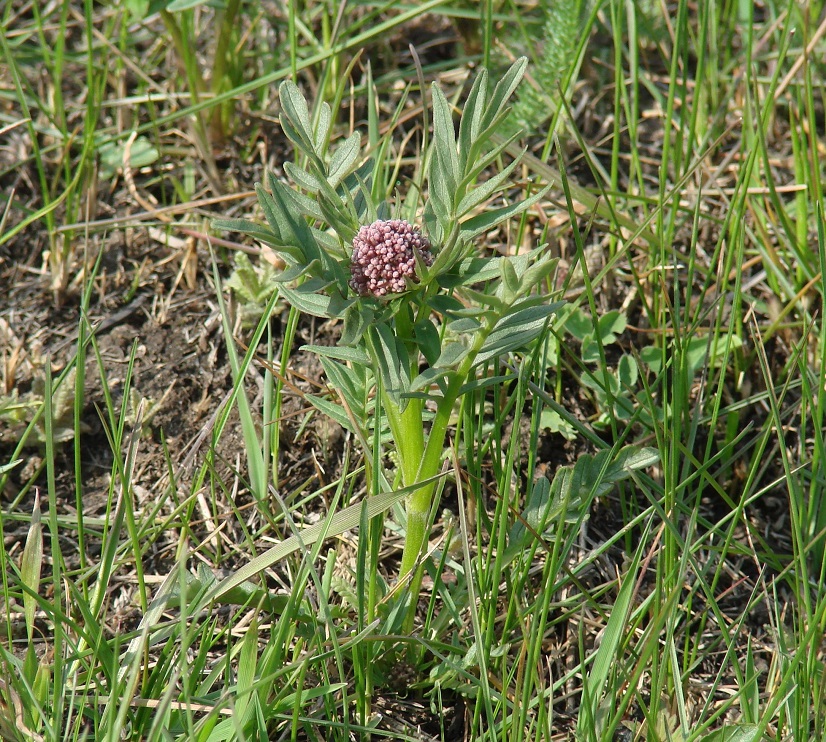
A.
pixel 421 309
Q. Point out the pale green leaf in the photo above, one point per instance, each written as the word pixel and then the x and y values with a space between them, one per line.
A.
pixel 344 158
pixel 486 221
pixel 31 564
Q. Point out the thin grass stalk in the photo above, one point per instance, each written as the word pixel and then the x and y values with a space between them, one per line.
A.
pixel 58 637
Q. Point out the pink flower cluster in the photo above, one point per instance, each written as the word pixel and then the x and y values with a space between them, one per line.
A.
pixel 384 254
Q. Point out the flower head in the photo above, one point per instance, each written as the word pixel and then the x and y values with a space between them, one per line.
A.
pixel 384 255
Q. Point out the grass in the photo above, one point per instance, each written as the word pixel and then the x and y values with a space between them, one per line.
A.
pixel 187 553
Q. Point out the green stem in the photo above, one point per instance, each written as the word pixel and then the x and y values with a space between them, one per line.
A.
pixel 420 501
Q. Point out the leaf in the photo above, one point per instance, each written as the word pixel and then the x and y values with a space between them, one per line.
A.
pixel 627 371
pixel 632 458
pixel 735 733
pixel 542 510
pixel 245 682
pixel 294 272
pixel 293 229
pixel 427 338
pixel 322 129
pixel 444 140
pixel 308 206
pixel 551 420
pixel 344 158
pixel 539 271
pixel 175 6
pixel 302 178
pixel 610 325
pixel 142 154
pixel 470 271
pixel 486 221
pixel 504 89
pixel 340 353
pixel 306 299
pixel 510 282
pixel 431 376
pixel 392 359
pixel 332 410
pixel 352 384
pixel 464 326
pixel 440 196
pixel 31 564
pixel 357 319
pixel 516 331
pixel 297 125
pixel 452 355
pixel 444 303
pixel 595 682
pixel 485 382
pixel 472 116
pixel 484 191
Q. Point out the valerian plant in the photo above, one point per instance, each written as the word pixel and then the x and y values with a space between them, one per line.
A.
pixel 421 306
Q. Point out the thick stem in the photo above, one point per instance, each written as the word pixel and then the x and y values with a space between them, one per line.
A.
pixel 420 501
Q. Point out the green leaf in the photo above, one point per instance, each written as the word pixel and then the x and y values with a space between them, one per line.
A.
pixel 302 178
pixel 295 271
pixel 142 154
pixel 539 270
pixel 295 118
pixel 393 363
pixel 340 353
pixel 464 326
pixel 444 303
pixel 427 338
pixel 628 371
pixel 344 158
pixel 307 299
pixel 470 271
pixel 357 319
pixel 176 6
pixel 543 508
pixel 440 196
pixel 451 355
pixel 551 420
pixel 735 733
pixel 308 206
pixel 246 670
pixel 610 325
pixel 322 129
pixel 578 324
pixel 595 682
pixel 31 564
pixel 334 411
pixel 485 382
pixel 633 458
pixel 427 378
pixel 483 192
pixel 510 282
pixel 350 382
pixel 516 330
pixel 292 227
pixel 504 89
pixel 444 140
pixel 472 116
pixel 486 221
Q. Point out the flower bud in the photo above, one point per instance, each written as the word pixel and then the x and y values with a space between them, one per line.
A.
pixel 384 255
